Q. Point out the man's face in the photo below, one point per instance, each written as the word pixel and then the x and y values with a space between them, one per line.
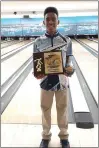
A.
pixel 51 21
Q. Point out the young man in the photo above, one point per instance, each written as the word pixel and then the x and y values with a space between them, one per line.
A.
pixel 54 84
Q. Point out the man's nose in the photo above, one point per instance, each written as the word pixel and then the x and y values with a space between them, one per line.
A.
pixel 50 22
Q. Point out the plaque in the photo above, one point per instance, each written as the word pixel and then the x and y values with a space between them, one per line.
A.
pixel 48 63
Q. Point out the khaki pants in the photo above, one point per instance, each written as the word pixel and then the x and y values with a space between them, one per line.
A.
pixel 61 106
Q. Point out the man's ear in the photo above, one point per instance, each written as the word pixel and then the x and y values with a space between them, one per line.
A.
pixel 44 22
pixel 58 22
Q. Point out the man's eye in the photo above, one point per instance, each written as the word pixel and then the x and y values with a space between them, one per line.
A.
pixel 53 19
pixel 47 19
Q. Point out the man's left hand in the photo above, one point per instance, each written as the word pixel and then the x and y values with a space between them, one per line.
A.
pixel 68 71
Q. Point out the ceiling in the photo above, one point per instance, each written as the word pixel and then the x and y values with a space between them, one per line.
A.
pixel 36 8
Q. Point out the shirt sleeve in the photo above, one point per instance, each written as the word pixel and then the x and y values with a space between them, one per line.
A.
pixel 34 47
pixel 34 50
pixel 69 47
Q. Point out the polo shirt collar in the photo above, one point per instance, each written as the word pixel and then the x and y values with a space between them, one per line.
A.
pixel 48 35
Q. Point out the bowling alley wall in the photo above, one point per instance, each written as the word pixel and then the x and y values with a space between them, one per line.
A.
pixel 76 25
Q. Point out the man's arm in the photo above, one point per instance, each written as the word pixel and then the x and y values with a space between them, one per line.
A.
pixel 69 69
pixel 68 61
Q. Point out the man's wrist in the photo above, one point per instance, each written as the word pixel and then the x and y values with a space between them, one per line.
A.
pixel 69 64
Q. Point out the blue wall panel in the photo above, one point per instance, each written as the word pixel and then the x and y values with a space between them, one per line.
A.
pixel 34 26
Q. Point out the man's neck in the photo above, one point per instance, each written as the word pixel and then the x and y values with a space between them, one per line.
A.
pixel 51 34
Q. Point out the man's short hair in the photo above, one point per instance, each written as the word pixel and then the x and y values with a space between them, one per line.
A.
pixel 50 9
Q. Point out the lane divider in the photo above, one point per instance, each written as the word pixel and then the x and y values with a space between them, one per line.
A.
pixel 13 50
pixel 13 77
pixel 85 114
pixel 90 49
pixel 8 95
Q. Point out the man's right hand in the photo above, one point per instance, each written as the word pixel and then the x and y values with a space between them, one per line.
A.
pixel 39 76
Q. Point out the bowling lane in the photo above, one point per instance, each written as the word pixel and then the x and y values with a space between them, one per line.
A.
pixel 9 66
pixel 88 65
pixel 90 43
pixel 9 48
pixel 95 39
pixel 4 41
pixel 8 44
pixel 25 106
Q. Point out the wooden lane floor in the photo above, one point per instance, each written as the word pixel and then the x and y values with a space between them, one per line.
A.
pixel 9 43
pixel 25 106
pixel 21 121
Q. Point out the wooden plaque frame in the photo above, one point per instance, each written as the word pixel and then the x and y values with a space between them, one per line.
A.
pixel 48 63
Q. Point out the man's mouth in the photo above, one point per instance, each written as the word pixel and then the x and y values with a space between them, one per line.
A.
pixel 51 26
